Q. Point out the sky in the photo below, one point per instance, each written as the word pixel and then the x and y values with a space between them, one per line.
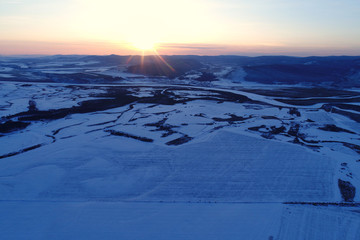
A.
pixel 204 27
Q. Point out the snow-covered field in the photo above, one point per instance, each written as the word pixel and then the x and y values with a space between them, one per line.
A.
pixel 176 162
pixel 133 221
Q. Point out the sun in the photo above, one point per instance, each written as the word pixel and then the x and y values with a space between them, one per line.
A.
pixel 143 45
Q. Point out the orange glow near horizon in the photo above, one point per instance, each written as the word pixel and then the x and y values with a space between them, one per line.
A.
pixel 187 27
pixel 108 48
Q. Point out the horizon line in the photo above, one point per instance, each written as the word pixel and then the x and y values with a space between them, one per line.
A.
pixel 198 55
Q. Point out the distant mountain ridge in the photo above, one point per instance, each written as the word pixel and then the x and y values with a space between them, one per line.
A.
pixel 334 71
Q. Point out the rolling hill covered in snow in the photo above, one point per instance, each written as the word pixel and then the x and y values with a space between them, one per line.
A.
pixel 179 147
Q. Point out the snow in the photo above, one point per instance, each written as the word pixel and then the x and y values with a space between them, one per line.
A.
pixel 6 69
pixel 227 182
pixel 58 71
pixel 312 222
pixel 124 220
pixel 247 174
pixel 138 220
pixel 163 173
pixel 5 75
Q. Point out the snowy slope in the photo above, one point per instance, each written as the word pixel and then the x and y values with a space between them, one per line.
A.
pixel 177 162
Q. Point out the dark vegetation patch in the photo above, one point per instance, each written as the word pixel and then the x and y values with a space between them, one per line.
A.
pixel 277 130
pixel 95 130
pixel 317 71
pixel 352 146
pixel 81 78
pixel 334 109
pixel 297 141
pixel 347 190
pixel 299 138
pixel 206 77
pixel 341 204
pixel 203 124
pixel 348 106
pixel 270 117
pixel 298 92
pixel 140 117
pixel 120 99
pixel 112 98
pixel 200 115
pixel 294 130
pixel 180 140
pixel 21 151
pixel 233 118
pixel 294 111
pixel 334 128
pixel 123 134
pixel 307 102
pixel 352 116
pixel 100 124
pixel 109 60
pixel 309 141
pixel 174 67
pixel 52 137
pixel 253 106
pixel 162 113
pixel 162 126
pixel 163 98
pixel 11 126
pixel 169 97
pixel 267 135
pixel 32 106
pixel 58 130
pixel 295 73
pixel 257 128
pixel 71 136
pixel 217 128
pixel 233 97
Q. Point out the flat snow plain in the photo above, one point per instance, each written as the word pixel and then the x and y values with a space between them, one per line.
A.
pixel 172 163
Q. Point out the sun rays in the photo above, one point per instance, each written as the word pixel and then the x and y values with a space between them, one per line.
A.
pixel 148 49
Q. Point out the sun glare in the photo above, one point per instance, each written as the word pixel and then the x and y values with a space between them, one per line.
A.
pixel 143 45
